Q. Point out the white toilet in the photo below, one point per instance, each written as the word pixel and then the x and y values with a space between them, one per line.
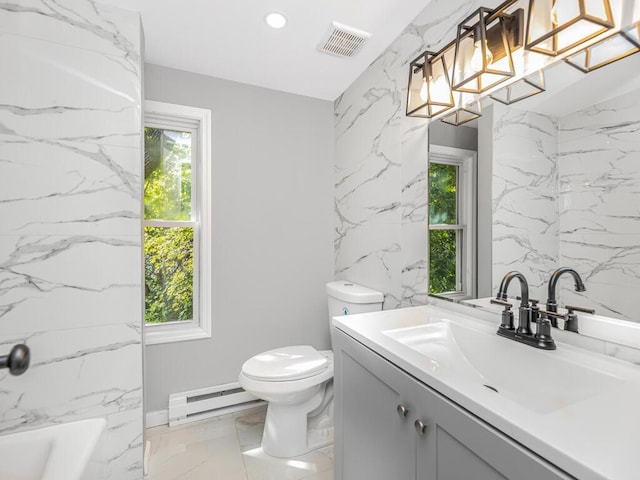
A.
pixel 298 382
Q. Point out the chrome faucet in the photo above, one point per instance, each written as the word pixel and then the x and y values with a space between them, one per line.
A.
pixel 526 314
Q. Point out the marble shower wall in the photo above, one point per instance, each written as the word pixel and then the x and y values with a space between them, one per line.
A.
pixel 599 176
pixel 70 236
pixel 525 197
pixel 381 165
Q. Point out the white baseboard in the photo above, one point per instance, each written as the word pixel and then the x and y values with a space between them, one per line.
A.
pixel 157 418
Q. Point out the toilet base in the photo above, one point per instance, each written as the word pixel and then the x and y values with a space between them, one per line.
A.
pixel 290 431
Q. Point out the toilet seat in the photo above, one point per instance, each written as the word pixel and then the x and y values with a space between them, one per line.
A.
pixel 286 364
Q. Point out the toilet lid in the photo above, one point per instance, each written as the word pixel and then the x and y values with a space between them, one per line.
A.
pixel 287 363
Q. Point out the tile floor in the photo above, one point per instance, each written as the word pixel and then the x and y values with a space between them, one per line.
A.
pixel 228 448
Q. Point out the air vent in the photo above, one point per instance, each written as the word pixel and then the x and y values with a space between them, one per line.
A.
pixel 342 41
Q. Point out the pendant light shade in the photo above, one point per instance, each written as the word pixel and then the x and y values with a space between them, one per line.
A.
pixel 429 92
pixel 519 90
pixel 556 26
pixel 483 50
pixel 464 114
pixel 615 47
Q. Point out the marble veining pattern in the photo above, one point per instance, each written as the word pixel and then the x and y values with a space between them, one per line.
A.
pixel 524 196
pixel 599 203
pixel 70 200
pixel 381 166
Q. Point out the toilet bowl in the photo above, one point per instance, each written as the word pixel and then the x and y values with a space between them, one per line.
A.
pixel 297 382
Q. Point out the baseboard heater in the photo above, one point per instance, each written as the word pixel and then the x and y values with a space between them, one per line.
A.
pixel 209 402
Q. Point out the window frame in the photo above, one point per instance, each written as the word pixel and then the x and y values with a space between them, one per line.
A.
pixel 466 160
pixel 198 122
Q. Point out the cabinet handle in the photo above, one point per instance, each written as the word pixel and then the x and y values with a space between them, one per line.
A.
pixel 421 428
pixel 402 411
pixel 17 361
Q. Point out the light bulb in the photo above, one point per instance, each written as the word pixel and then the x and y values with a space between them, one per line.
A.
pixel 438 88
pixel 476 58
pixel 423 90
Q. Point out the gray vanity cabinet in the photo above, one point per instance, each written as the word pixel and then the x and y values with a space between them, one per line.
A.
pixel 379 414
pixel 375 441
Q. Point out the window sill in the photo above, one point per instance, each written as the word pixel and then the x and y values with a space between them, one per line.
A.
pixel 174 332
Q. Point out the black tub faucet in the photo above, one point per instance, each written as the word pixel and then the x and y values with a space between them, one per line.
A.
pixel 552 304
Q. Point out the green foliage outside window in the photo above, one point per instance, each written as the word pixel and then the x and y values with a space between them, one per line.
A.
pixel 168 274
pixel 442 243
pixel 168 251
pixel 442 261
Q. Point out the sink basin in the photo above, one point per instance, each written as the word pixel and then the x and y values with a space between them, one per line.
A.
pixel 70 451
pixel 538 380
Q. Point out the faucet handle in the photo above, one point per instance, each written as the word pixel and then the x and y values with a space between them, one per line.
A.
pixel 506 305
pixel 580 309
pixel 571 322
pixel 551 315
pixel 507 314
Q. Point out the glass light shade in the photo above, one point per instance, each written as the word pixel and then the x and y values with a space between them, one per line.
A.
pixel 616 47
pixel 429 92
pixel 482 52
pixel 556 26
pixel 464 114
pixel 519 90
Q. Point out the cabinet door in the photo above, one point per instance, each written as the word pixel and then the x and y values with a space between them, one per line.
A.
pixel 372 440
pixel 457 445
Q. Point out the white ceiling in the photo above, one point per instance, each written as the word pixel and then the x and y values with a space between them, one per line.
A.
pixel 229 39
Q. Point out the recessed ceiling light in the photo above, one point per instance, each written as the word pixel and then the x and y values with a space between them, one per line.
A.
pixel 275 20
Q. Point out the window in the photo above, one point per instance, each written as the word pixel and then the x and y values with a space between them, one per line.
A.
pixel 452 238
pixel 177 236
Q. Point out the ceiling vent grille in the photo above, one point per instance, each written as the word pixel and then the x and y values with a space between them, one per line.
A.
pixel 342 41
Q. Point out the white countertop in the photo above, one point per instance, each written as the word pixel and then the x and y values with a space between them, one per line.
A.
pixel 594 438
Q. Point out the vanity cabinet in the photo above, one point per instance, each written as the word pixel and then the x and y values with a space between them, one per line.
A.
pixel 389 426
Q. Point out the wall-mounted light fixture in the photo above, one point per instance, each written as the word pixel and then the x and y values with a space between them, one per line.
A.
pixel 464 114
pixel 429 91
pixel 556 26
pixel 483 48
pixel 520 89
pixel 615 47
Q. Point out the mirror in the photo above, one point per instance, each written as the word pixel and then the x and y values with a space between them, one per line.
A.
pixel 557 184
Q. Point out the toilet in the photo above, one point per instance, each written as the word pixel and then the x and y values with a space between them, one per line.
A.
pixel 297 381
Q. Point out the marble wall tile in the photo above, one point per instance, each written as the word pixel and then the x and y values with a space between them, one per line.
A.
pixel 599 205
pixel 414 225
pixel 525 197
pixel 381 166
pixel 68 188
pixel 72 372
pixel 372 253
pixel 70 200
pixel 56 92
pixel 58 282
pixel 80 24
pixel 125 430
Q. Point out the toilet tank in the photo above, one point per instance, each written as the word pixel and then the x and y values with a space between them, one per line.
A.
pixel 347 298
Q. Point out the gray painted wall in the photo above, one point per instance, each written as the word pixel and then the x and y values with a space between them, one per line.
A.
pixel 441 133
pixel 272 228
